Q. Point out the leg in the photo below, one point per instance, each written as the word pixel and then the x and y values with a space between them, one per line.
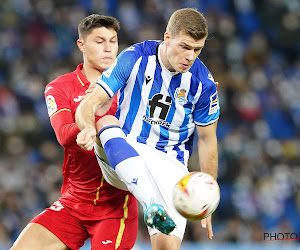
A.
pixel 122 232
pixel 53 229
pixel 131 169
pixel 125 161
pixel 36 237
pixel 161 241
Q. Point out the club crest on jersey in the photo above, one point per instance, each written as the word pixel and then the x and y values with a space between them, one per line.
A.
pixel 107 72
pixel 180 96
pixel 51 105
pixel 214 104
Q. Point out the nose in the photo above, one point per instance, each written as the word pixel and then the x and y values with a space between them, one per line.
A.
pixel 107 46
pixel 190 55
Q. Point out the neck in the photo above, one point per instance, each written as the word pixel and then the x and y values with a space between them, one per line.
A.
pixel 91 74
pixel 164 58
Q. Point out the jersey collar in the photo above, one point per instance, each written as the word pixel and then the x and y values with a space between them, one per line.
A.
pixel 81 78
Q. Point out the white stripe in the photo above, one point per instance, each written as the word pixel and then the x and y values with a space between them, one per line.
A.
pixel 198 94
pixel 206 124
pixel 125 105
pixel 155 129
pixel 179 114
pixel 138 121
pixel 106 87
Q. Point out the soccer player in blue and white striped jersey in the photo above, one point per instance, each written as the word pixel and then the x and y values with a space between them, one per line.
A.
pixel 165 93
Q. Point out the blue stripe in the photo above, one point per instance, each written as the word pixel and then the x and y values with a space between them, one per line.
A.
pixel 164 132
pixel 136 95
pixel 121 99
pixel 180 154
pixel 144 135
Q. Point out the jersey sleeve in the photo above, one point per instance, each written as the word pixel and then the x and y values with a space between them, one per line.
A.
pixel 207 108
pixel 115 77
pixel 56 99
pixel 59 111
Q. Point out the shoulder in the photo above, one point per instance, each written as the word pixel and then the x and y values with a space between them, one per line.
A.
pixel 133 55
pixel 62 81
pixel 199 69
pixel 202 74
pixel 146 48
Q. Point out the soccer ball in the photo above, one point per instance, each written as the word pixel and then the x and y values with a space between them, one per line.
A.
pixel 196 196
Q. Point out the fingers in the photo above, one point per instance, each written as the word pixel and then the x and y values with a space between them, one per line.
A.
pixel 206 223
pixel 85 139
pixel 91 88
pixel 217 84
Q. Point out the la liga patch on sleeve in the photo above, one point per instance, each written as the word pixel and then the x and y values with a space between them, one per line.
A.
pixel 214 104
pixel 51 105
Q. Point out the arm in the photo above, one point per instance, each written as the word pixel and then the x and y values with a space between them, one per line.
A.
pixel 208 160
pixel 60 112
pixel 65 128
pixel 85 117
pixel 208 149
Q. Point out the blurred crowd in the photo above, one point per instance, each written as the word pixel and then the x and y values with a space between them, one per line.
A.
pixel 253 50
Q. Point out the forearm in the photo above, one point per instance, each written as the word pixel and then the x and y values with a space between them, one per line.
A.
pixel 85 115
pixel 64 127
pixel 208 156
pixel 208 149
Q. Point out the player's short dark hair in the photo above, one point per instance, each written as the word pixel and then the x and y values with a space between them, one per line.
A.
pixel 95 21
pixel 190 21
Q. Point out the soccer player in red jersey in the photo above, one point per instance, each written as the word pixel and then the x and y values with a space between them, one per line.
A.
pixel 88 207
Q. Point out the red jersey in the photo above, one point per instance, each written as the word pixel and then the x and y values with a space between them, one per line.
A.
pixel 83 180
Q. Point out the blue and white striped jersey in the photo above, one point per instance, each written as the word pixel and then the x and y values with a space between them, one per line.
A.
pixel 158 107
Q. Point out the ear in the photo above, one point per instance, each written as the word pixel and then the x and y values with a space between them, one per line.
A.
pixel 80 44
pixel 167 38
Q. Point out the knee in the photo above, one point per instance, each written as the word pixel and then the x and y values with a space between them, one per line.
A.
pixel 106 121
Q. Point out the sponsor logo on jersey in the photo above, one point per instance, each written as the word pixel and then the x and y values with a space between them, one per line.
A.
pixel 51 105
pixel 180 96
pixel 56 206
pixel 107 72
pixel 78 99
pixel 148 79
pixel 47 89
pixel 210 77
pixel 134 181
pixel 214 104
pixel 153 122
pixel 105 242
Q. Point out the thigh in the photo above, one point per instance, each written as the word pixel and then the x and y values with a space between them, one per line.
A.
pixel 36 237
pixel 55 228
pixel 117 233
pixel 108 172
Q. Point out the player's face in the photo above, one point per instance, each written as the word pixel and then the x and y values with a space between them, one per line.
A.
pixel 100 48
pixel 182 51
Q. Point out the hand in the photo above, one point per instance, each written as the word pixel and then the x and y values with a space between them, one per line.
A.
pixel 217 84
pixel 86 138
pixel 89 90
pixel 206 223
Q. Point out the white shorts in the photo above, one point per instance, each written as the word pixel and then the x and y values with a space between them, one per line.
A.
pixel 163 171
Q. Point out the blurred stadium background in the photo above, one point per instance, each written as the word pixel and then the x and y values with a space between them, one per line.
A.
pixel 253 50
